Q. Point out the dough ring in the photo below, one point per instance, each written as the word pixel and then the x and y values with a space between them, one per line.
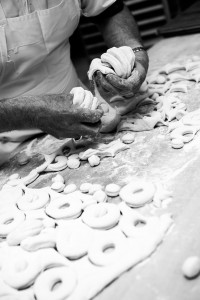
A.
pixel 73 241
pixel 45 284
pixel 137 226
pixel 9 220
pixel 33 199
pixel 101 215
pixel 137 193
pixel 66 207
pixel 98 252
pixel 21 270
pixel 182 133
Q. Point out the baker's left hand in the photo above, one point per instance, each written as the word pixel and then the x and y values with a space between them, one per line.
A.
pixel 110 85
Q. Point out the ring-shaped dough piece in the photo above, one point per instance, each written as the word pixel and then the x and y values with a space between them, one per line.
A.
pixel 98 255
pixel 137 226
pixel 182 133
pixel 45 284
pixel 73 241
pixel 65 207
pixel 101 215
pixel 9 220
pixel 21 270
pixel 112 190
pixel 137 193
pixel 33 199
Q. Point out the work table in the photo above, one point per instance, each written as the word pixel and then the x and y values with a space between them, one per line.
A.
pixel 152 157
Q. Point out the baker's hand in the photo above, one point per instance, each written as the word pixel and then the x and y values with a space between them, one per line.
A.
pixel 110 85
pixel 74 115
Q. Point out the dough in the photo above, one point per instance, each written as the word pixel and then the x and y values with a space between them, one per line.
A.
pixel 64 207
pixel 137 193
pixel 94 160
pixel 128 138
pixel 28 228
pixel 70 188
pixel 44 287
pixel 73 239
pixel 191 267
pixel 101 215
pixel 112 190
pixel 73 163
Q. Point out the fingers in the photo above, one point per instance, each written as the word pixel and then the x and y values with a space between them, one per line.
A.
pixel 101 82
pixel 85 115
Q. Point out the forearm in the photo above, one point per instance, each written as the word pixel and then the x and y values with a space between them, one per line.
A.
pixel 120 30
pixel 24 112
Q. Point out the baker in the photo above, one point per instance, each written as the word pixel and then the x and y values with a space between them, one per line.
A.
pixel 37 74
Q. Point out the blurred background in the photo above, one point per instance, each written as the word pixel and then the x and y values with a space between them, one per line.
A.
pixel 156 19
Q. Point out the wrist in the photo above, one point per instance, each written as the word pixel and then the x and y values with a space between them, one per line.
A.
pixel 142 58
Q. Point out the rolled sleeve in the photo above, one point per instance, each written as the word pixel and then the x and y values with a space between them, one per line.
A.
pixel 91 8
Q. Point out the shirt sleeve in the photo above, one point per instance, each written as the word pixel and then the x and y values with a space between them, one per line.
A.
pixel 91 8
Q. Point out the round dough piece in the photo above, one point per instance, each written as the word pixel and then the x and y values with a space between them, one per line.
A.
pixel 101 215
pixel 128 138
pixel 73 163
pixel 58 186
pixel 58 178
pixel 112 190
pixel 85 187
pixel 70 188
pixel 45 284
pixel 137 193
pixel 191 267
pixel 94 160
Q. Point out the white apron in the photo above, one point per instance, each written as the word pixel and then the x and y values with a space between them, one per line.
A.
pixel 35 53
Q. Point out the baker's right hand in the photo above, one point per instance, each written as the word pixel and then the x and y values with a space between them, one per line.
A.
pixel 71 116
